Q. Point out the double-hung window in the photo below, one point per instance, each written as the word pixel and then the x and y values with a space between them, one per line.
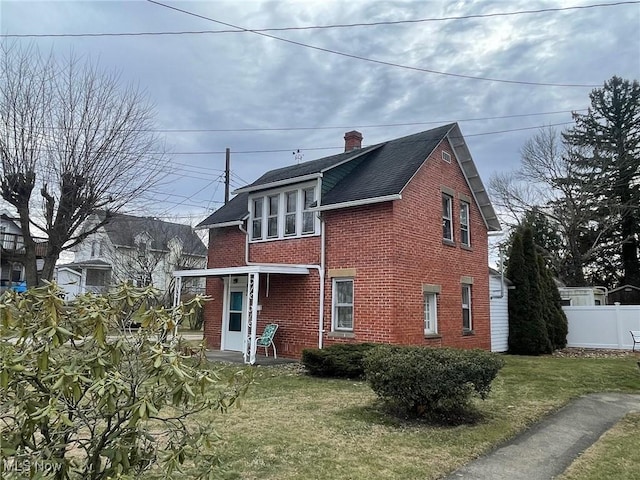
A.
pixel 466 308
pixel 465 239
pixel 290 217
pixel 256 224
pixel 430 314
pixel 308 218
pixel 272 216
pixel 447 217
pixel 342 304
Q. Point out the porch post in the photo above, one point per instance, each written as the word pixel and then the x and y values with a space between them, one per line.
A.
pixel 177 290
pixel 253 287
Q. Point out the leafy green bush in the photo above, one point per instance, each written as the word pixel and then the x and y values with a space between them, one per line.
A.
pixel 96 406
pixel 423 380
pixel 343 360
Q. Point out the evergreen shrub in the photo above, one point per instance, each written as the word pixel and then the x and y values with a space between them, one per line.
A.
pixel 342 360
pixel 422 380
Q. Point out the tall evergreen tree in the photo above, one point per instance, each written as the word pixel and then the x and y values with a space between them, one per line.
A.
pixel 527 329
pixel 608 143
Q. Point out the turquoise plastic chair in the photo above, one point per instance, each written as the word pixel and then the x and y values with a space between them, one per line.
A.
pixel 266 339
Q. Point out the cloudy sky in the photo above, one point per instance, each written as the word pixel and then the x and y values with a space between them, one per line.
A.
pixel 398 67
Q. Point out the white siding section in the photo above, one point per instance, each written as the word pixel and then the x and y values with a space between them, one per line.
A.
pixel 499 314
pixel 602 326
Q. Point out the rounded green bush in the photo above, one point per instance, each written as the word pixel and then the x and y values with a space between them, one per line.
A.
pixel 341 360
pixel 423 380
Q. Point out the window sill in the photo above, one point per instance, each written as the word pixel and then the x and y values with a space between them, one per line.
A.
pixel 466 247
pixel 432 336
pixel 341 335
pixel 467 333
pixel 449 243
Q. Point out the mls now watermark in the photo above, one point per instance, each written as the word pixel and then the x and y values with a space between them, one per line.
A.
pixel 22 465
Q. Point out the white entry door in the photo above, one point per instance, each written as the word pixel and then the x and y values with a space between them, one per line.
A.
pixel 235 321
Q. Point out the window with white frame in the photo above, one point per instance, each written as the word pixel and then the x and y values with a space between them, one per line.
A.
pixel 290 217
pixel 465 237
pixel 466 307
pixel 272 216
pixel 256 223
pixel 447 217
pixel 308 218
pixel 430 314
pixel 342 296
pixel 284 214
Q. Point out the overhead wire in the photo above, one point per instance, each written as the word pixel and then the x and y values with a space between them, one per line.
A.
pixel 372 60
pixel 321 27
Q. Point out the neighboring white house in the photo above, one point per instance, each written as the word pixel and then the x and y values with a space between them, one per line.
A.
pixel 499 311
pixel 582 296
pixel 140 250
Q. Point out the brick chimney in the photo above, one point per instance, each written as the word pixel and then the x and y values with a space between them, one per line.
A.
pixel 352 140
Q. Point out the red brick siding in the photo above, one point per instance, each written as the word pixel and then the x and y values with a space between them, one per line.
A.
pixel 363 238
pixel 422 257
pixel 305 251
pixel 226 247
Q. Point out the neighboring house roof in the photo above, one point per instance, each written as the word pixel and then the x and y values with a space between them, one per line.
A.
pixel 627 288
pixel 98 264
pixel 372 174
pixel 495 273
pixel 123 229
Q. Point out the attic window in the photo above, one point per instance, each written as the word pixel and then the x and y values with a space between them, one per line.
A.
pixel 446 156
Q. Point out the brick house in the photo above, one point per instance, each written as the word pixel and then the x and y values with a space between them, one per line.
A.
pixel 386 243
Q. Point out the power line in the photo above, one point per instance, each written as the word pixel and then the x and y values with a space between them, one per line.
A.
pixel 320 27
pixel 378 62
pixel 336 127
pixel 281 150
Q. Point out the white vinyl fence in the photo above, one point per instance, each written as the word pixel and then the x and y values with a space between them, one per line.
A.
pixel 605 326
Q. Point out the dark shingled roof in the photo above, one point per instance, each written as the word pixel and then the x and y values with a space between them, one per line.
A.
pixel 234 211
pixel 364 174
pixel 123 229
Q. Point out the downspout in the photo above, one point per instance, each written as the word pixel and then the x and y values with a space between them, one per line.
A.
pixel 320 269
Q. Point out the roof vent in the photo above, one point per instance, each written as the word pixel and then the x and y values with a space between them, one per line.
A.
pixel 352 140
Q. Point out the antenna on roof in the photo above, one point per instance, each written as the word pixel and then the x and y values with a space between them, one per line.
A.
pixel 298 156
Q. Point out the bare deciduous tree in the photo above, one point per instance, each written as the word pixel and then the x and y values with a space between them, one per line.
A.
pixel 73 140
pixel 547 183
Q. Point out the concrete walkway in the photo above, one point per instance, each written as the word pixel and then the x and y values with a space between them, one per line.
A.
pixel 549 447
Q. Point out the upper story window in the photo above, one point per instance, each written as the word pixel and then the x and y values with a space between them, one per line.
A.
pixel 447 217
pixel 284 214
pixel 465 238
pixel 291 201
pixel 308 218
pixel 272 216
pixel 256 215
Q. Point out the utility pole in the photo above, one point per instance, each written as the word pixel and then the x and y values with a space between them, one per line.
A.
pixel 226 175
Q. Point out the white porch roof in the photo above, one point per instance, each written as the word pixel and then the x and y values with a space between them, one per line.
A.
pixel 245 270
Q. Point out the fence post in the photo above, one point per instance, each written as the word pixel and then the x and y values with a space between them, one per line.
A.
pixel 618 325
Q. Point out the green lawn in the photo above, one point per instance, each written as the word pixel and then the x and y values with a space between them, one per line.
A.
pixel 292 426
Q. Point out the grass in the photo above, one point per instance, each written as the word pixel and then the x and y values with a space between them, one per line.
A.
pixel 615 455
pixel 293 426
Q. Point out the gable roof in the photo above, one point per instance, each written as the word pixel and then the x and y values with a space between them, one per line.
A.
pixel 369 175
pixel 123 229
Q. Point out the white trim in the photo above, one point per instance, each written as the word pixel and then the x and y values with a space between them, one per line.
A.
pixel 279 183
pixel 466 286
pixel 219 225
pixel 433 296
pixel 357 203
pixel 245 270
